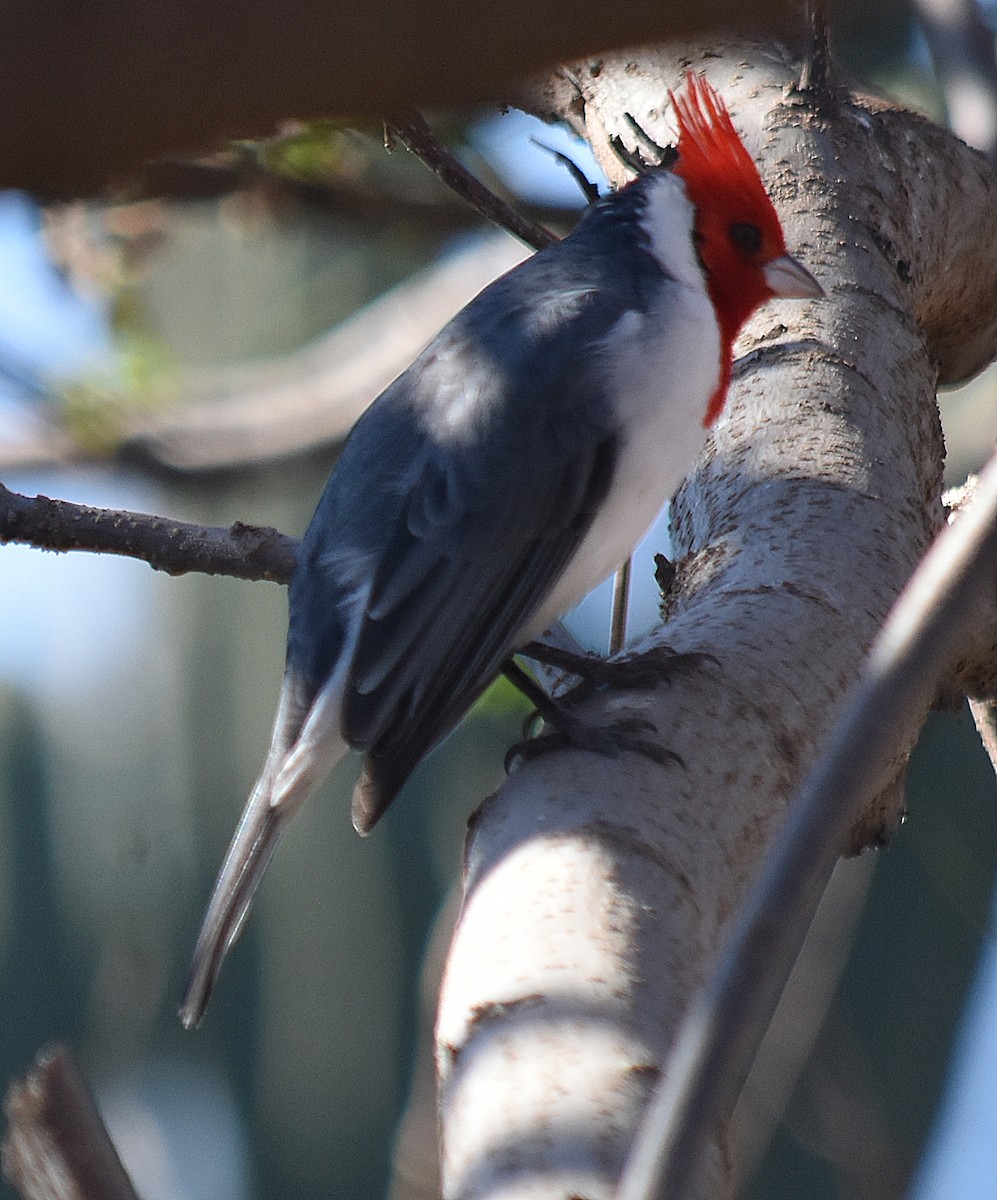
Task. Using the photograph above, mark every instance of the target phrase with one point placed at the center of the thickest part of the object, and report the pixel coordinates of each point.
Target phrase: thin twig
(414, 132)
(816, 72)
(56, 1146)
(719, 1037)
(621, 603)
(176, 547)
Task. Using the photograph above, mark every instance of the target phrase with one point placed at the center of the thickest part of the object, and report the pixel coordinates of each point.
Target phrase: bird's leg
(541, 700)
(640, 673)
(565, 729)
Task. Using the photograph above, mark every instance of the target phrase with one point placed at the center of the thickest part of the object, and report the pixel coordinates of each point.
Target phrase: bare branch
(176, 547)
(726, 1021)
(56, 1146)
(414, 132)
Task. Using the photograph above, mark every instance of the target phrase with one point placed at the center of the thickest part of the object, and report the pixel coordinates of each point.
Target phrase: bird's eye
(746, 237)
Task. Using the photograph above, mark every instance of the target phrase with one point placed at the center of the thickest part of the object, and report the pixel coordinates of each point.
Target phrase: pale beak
(787, 278)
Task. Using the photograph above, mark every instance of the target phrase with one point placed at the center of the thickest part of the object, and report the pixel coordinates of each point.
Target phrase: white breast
(663, 368)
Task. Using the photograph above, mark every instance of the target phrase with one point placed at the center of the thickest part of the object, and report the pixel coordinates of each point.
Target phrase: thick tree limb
(176, 547)
(90, 94)
(56, 1146)
(598, 892)
(916, 649)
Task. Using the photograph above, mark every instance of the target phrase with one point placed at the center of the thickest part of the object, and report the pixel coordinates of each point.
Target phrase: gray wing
(484, 533)
(459, 500)
(447, 605)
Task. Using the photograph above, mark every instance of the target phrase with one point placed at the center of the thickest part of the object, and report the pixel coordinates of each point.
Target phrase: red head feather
(737, 229)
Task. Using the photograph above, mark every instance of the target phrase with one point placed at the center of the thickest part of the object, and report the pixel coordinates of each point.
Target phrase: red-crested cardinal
(510, 469)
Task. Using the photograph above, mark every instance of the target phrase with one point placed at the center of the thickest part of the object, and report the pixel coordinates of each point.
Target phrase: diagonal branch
(233, 417)
(598, 894)
(414, 132)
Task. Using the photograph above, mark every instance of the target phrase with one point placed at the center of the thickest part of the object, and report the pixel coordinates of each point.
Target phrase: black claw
(664, 574)
(658, 754)
(566, 732)
(531, 748)
(639, 673)
(680, 664)
(563, 729)
(622, 728)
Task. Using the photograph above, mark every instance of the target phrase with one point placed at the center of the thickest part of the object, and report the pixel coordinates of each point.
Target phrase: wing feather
(509, 432)
(418, 668)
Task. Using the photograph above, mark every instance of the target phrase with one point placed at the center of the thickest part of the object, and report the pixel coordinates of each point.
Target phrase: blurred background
(135, 711)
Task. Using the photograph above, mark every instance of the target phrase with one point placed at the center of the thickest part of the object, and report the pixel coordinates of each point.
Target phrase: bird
(506, 472)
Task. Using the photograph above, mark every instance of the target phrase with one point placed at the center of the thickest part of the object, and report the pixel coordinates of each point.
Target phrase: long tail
(249, 853)
(301, 755)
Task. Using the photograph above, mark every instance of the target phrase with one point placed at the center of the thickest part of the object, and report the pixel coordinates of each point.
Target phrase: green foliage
(313, 152)
(98, 409)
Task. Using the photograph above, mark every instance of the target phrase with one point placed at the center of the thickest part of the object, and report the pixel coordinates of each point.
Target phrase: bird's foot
(641, 672)
(564, 731)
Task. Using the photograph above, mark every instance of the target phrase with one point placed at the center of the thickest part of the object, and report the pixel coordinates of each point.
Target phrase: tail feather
(305, 746)
(249, 853)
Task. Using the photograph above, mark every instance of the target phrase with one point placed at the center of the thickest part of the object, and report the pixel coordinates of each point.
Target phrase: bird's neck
(716, 402)
(733, 306)
(730, 326)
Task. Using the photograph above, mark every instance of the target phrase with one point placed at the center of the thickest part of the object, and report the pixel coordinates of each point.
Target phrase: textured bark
(597, 890)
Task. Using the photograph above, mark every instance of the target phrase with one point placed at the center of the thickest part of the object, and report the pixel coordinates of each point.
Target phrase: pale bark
(597, 890)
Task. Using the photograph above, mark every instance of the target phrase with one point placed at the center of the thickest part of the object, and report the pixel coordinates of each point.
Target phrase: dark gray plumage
(509, 470)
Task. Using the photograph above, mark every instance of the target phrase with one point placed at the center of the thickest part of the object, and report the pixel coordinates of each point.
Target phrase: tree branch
(265, 411)
(176, 547)
(93, 93)
(414, 132)
(915, 651)
(597, 893)
(56, 1146)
